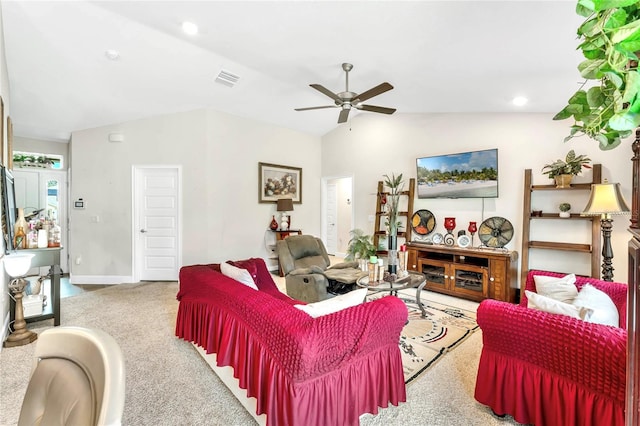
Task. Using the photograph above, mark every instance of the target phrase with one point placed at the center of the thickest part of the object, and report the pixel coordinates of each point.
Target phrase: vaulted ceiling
(440, 56)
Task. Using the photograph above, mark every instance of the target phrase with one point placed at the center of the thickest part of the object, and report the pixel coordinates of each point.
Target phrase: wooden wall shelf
(593, 248)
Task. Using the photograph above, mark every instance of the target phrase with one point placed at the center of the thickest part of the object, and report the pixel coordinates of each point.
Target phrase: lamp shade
(285, 205)
(606, 198)
(16, 265)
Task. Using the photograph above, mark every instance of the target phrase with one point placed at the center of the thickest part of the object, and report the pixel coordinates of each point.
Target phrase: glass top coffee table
(413, 280)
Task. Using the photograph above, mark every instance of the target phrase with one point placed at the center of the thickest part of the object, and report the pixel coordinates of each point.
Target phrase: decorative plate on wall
(423, 222)
(495, 232)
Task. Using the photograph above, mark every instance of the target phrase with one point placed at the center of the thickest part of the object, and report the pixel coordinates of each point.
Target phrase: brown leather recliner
(308, 274)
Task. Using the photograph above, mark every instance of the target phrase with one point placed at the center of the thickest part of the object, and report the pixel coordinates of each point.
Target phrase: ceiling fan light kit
(348, 100)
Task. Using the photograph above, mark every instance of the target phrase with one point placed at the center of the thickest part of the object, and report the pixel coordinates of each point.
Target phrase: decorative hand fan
(495, 232)
(423, 222)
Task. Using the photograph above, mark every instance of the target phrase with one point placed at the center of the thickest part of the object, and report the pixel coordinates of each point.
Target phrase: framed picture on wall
(9, 161)
(277, 182)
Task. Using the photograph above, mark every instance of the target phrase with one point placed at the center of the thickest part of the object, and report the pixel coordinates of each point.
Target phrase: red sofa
(549, 369)
(302, 371)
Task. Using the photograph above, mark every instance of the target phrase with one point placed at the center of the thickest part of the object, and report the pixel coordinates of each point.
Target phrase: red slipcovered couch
(549, 369)
(302, 371)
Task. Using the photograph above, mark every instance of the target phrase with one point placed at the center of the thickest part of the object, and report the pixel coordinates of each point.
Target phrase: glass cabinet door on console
(470, 281)
(436, 274)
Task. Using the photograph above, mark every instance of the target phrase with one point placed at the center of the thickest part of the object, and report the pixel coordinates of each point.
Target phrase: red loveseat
(302, 371)
(549, 369)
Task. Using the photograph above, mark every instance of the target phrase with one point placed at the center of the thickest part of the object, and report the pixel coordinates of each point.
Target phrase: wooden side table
(281, 235)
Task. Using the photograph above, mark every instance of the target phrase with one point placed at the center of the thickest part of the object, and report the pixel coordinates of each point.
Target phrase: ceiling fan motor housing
(347, 100)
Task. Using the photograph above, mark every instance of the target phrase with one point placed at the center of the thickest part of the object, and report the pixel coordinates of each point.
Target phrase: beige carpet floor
(168, 383)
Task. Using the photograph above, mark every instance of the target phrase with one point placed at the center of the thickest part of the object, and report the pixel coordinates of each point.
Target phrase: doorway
(157, 222)
(337, 217)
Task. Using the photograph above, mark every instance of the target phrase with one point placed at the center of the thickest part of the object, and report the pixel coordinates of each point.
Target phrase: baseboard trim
(100, 279)
(226, 376)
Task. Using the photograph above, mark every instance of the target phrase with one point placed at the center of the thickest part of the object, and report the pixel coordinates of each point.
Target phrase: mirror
(8, 209)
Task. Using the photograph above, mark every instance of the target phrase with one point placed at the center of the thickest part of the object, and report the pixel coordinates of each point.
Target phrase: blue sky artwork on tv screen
(465, 175)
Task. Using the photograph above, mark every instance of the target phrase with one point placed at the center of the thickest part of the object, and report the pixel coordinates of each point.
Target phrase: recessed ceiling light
(112, 54)
(520, 100)
(189, 28)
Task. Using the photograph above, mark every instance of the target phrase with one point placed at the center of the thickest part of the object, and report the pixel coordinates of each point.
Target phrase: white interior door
(332, 219)
(337, 213)
(157, 248)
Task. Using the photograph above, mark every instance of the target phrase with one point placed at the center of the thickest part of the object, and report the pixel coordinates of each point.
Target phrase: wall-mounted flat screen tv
(471, 174)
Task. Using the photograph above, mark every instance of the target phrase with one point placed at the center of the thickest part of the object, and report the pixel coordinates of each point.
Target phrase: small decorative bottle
(54, 235)
(274, 223)
(20, 239)
(43, 239)
(21, 222)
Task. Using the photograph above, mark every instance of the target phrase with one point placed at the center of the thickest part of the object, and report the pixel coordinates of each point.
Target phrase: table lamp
(606, 200)
(285, 205)
(16, 266)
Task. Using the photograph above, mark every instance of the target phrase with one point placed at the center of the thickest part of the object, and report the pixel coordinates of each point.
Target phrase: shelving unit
(593, 248)
(46, 257)
(379, 229)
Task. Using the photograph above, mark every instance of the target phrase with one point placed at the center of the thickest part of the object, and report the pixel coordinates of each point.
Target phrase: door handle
(143, 231)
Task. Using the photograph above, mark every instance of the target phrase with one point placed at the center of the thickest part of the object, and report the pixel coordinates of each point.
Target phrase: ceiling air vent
(227, 78)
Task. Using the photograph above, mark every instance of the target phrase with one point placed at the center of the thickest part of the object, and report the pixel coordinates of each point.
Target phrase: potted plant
(564, 170)
(610, 40)
(395, 184)
(360, 246)
(564, 210)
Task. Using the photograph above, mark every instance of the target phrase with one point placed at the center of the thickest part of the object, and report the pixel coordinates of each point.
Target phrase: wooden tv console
(469, 273)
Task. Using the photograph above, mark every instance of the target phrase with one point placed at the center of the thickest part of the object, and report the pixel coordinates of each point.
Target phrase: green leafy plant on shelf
(564, 207)
(360, 246)
(610, 41)
(571, 165)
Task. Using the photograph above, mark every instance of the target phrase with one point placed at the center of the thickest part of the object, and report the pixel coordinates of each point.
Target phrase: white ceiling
(441, 56)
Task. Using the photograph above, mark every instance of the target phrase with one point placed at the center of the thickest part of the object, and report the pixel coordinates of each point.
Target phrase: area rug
(425, 340)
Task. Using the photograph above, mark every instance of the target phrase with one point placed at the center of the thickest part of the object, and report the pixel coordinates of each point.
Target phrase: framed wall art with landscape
(277, 182)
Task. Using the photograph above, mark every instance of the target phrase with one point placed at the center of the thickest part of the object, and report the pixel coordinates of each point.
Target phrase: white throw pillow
(561, 289)
(335, 304)
(241, 275)
(547, 304)
(604, 310)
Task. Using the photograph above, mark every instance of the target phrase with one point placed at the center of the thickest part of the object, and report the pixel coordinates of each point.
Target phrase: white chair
(78, 378)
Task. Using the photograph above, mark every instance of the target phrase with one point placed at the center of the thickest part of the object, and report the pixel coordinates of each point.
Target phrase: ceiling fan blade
(380, 88)
(344, 114)
(327, 92)
(374, 108)
(318, 107)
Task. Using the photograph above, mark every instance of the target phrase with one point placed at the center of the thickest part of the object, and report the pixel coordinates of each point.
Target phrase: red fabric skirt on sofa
(542, 390)
(335, 398)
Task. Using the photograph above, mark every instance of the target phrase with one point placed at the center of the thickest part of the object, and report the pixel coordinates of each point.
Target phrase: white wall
(372, 145)
(219, 155)
(4, 92)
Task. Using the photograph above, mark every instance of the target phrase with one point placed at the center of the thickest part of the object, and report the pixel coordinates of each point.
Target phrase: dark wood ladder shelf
(527, 216)
(379, 228)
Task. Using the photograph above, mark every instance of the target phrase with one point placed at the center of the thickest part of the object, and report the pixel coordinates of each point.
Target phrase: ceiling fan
(347, 100)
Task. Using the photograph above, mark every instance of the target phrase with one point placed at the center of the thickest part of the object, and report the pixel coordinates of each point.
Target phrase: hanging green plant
(610, 39)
